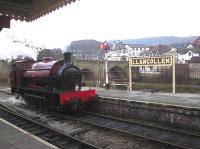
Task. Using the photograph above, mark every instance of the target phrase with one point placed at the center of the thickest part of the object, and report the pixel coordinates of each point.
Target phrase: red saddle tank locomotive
(50, 83)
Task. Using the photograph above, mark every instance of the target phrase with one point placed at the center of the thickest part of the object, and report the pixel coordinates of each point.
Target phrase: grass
(183, 88)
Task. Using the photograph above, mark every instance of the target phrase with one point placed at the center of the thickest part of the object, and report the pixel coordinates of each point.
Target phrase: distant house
(196, 43)
(150, 53)
(118, 52)
(190, 46)
(183, 55)
(159, 50)
(136, 49)
(122, 52)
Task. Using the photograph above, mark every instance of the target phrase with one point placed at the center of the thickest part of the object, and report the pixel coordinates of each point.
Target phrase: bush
(4, 73)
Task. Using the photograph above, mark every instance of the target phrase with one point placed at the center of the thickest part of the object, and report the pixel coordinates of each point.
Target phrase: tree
(56, 54)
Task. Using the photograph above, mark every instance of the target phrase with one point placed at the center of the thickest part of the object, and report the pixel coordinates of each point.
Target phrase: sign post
(130, 76)
(174, 72)
(152, 61)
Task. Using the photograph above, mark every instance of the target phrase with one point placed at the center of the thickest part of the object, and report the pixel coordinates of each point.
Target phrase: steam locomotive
(54, 84)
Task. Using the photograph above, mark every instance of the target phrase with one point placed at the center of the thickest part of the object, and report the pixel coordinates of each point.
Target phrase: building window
(190, 54)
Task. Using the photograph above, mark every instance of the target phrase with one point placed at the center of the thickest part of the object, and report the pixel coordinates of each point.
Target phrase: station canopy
(29, 10)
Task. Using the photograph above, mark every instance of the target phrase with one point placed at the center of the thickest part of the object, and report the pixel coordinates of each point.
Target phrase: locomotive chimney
(67, 57)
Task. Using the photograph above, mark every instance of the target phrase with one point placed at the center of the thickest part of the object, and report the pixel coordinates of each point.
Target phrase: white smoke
(10, 49)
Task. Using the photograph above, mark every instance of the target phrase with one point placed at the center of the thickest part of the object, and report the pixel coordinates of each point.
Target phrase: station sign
(151, 61)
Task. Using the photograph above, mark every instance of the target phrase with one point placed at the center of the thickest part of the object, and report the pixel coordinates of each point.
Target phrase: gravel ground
(97, 136)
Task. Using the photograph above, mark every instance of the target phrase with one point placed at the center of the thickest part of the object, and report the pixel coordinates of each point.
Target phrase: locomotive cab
(17, 70)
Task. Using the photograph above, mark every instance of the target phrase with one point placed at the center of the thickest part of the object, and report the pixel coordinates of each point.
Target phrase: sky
(105, 20)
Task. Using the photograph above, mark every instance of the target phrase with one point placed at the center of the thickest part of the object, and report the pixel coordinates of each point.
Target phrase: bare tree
(56, 54)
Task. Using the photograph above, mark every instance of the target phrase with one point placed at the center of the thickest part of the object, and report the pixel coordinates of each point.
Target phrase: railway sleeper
(56, 139)
(40, 132)
(27, 126)
(32, 130)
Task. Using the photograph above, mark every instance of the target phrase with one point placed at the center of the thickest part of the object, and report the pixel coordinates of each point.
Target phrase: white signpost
(152, 61)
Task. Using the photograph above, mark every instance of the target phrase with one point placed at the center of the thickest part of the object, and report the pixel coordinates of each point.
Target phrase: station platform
(178, 99)
(12, 137)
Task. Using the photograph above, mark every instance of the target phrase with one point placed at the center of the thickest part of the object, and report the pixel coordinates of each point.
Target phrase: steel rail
(103, 126)
(144, 124)
(30, 124)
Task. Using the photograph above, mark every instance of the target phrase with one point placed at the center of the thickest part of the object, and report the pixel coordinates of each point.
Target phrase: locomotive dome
(43, 65)
(47, 59)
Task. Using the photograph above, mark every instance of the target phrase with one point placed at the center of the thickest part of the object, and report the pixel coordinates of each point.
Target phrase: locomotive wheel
(16, 96)
(80, 105)
(58, 109)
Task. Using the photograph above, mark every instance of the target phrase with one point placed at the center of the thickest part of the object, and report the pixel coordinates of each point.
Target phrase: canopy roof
(30, 10)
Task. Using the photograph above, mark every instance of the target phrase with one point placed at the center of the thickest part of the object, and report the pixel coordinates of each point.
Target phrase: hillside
(91, 46)
(84, 46)
(158, 40)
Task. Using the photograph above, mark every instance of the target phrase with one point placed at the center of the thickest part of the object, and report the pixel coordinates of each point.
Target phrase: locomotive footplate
(59, 100)
(77, 97)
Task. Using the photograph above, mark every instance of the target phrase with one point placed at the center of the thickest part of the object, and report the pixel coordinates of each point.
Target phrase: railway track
(44, 132)
(86, 132)
(169, 138)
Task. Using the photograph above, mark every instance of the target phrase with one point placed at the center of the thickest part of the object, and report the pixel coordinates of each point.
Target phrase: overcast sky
(109, 19)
